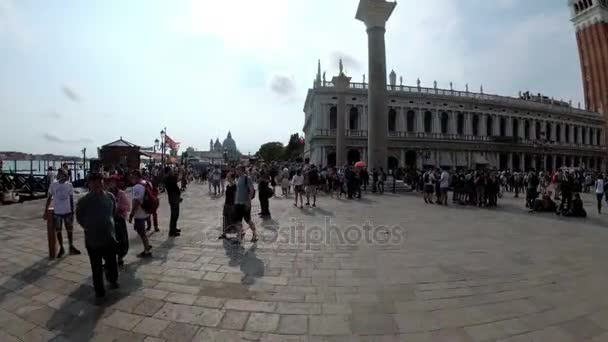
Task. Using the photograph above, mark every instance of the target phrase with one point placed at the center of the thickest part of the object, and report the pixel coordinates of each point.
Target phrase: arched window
(490, 127)
(527, 130)
(411, 121)
(575, 8)
(475, 125)
(460, 124)
(353, 119)
(568, 134)
(503, 127)
(428, 122)
(538, 131)
(558, 132)
(515, 132)
(444, 122)
(392, 120)
(333, 118)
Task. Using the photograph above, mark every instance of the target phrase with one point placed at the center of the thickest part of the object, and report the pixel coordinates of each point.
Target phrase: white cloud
(12, 26)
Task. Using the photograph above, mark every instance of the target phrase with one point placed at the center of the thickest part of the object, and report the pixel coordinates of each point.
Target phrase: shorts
(140, 225)
(429, 189)
(242, 212)
(311, 190)
(66, 219)
(298, 189)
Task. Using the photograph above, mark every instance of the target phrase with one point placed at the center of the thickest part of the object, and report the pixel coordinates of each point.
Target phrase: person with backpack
(144, 203)
(174, 195)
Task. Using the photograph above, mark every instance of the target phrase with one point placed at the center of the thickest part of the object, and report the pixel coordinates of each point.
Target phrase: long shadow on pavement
(251, 266)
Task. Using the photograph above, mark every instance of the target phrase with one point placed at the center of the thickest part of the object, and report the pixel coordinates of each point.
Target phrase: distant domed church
(228, 146)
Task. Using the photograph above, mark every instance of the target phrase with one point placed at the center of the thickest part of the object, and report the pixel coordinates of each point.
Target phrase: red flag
(172, 144)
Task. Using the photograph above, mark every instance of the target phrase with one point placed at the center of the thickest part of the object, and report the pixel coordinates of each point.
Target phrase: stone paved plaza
(448, 274)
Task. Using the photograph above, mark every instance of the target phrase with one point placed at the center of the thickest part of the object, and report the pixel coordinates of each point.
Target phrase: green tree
(271, 151)
(295, 147)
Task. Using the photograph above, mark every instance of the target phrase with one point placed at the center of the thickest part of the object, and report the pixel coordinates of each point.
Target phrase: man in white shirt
(599, 192)
(61, 193)
(139, 216)
(444, 184)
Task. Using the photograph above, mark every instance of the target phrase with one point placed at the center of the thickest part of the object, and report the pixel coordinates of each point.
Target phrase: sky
(77, 74)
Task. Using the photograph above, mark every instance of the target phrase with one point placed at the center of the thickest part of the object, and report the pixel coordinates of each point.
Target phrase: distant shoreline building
(218, 152)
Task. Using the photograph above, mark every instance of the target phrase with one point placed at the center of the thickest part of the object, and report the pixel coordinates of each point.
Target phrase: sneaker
(74, 251)
(254, 239)
(61, 253)
(314, 205)
(174, 234)
(156, 229)
(307, 204)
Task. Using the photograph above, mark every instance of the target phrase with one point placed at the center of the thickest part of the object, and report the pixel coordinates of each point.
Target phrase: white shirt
(444, 181)
(138, 192)
(61, 194)
(298, 180)
(599, 186)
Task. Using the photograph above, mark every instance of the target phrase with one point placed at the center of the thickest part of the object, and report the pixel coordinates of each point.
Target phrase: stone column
(591, 136)
(553, 131)
(496, 123)
(553, 162)
(563, 133)
(402, 159)
(468, 124)
(522, 162)
(572, 134)
(375, 13)
(436, 122)
(420, 121)
(452, 123)
(483, 125)
(509, 127)
(341, 83)
(403, 120)
(510, 162)
(532, 130)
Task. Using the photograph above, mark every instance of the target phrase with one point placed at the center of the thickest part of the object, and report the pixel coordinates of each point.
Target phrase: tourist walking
(228, 210)
(120, 217)
(311, 187)
(95, 212)
(444, 185)
(381, 181)
(599, 192)
(298, 188)
(141, 195)
(429, 179)
(153, 217)
(245, 192)
(61, 193)
(264, 194)
(285, 184)
(174, 196)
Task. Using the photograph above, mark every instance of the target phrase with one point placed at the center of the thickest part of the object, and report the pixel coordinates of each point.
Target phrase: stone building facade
(456, 129)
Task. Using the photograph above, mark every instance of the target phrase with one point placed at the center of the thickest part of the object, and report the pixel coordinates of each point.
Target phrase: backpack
(150, 203)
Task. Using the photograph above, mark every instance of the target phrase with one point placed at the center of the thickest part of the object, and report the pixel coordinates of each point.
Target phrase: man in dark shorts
(139, 216)
(242, 207)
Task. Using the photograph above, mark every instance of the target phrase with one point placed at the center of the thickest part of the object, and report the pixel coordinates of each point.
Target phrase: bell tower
(590, 18)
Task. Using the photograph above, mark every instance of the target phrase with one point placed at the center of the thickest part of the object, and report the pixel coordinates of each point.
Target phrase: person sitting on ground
(545, 204)
(577, 209)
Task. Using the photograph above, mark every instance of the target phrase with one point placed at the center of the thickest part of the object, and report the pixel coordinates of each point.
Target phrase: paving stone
(293, 324)
(249, 305)
(496, 330)
(299, 308)
(373, 324)
(234, 320)
(214, 276)
(262, 322)
(219, 335)
(210, 302)
(181, 298)
(329, 325)
(179, 332)
(38, 335)
(122, 320)
(151, 326)
(148, 307)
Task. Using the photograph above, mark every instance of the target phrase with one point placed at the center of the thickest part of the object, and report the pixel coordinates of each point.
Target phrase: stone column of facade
(402, 120)
(509, 128)
(563, 133)
(553, 162)
(591, 136)
(553, 131)
(483, 125)
(544, 161)
(522, 162)
(375, 14)
(579, 129)
(341, 83)
(452, 123)
(521, 130)
(532, 130)
(402, 159)
(436, 122)
(468, 124)
(496, 123)
(510, 161)
(420, 121)
(572, 134)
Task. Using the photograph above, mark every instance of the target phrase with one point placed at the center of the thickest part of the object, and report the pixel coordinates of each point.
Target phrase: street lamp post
(163, 134)
(154, 148)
